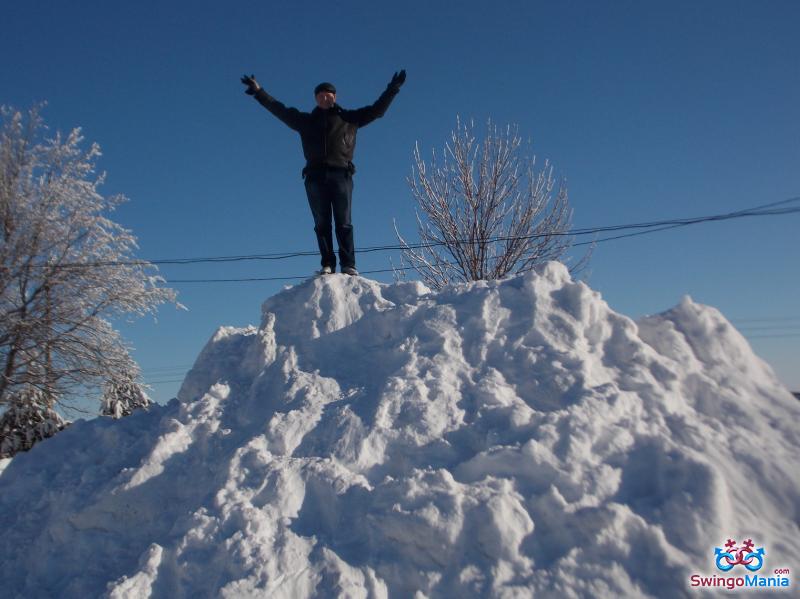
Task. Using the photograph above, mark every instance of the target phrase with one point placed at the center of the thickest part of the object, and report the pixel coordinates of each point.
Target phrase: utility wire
(157, 369)
(773, 319)
(771, 209)
(787, 329)
(757, 211)
(292, 278)
(776, 336)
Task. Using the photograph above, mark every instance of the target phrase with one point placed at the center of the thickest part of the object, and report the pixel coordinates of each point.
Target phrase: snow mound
(504, 438)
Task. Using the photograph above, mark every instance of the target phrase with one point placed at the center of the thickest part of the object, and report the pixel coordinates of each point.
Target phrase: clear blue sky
(651, 110)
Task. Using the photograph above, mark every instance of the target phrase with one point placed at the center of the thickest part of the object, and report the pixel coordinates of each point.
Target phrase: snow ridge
(500, 439)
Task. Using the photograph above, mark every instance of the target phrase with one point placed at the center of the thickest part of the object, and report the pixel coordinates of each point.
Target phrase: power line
(758, 211)
(156, 369)
(773, 319)
(769, 327)
(292, 278)
(776, 336)
(771, 209)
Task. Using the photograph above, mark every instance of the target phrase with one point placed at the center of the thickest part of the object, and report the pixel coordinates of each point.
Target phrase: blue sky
(650, 110)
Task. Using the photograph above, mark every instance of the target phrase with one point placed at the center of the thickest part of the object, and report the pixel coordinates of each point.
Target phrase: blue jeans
(330, 193)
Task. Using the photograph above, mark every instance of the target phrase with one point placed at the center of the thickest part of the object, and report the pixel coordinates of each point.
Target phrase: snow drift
(508, 439)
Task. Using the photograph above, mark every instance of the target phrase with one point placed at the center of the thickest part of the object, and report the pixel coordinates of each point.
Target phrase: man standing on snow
(328, 134)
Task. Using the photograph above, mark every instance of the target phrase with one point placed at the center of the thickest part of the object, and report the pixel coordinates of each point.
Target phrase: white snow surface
(511, 438)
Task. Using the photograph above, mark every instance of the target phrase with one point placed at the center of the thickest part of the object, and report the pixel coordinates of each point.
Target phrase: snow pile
(497, 439)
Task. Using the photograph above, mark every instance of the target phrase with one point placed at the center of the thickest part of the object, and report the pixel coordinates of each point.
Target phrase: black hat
(324, 87)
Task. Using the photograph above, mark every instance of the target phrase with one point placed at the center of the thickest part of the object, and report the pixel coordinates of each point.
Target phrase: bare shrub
(484, 211)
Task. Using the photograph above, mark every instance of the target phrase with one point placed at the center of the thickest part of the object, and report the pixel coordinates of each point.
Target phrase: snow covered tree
(122, 396)
(486, 211)
(29, 418)
(66, 270)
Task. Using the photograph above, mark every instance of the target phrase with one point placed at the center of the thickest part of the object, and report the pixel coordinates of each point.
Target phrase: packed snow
(510, 438)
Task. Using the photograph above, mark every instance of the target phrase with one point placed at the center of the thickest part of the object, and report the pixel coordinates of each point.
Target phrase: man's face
(325, 99)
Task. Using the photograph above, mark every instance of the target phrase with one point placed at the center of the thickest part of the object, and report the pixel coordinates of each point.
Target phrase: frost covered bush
(485, 210)
(29, 418)
(121, 397)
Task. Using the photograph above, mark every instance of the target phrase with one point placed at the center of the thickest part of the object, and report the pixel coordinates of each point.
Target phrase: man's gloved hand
(397, 80)
(251, 83)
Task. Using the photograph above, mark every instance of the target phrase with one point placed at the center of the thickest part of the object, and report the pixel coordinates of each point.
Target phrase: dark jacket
(328, 136)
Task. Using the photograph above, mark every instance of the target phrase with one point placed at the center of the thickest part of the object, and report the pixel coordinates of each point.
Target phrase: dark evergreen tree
(28, 419)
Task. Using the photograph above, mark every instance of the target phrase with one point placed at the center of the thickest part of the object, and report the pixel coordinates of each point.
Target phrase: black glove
(397, 80)
(251, 83)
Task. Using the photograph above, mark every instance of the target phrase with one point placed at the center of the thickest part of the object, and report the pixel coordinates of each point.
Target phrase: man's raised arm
(364, 116)
(290, 116)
